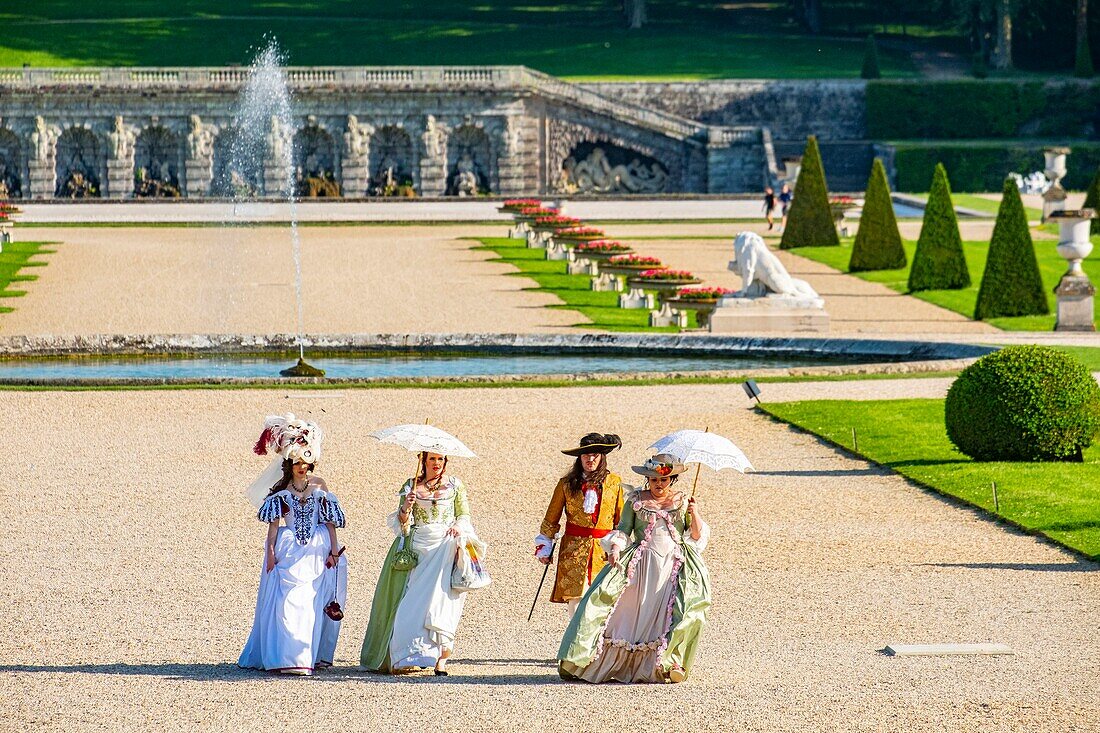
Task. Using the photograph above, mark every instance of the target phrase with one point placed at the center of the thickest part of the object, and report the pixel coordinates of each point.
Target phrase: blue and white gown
(290, 631)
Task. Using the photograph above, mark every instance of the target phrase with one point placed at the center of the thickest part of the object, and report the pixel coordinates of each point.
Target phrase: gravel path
(241, 280)
(133, 563)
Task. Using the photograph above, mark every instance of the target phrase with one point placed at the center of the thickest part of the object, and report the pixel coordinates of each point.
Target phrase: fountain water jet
(262, 161)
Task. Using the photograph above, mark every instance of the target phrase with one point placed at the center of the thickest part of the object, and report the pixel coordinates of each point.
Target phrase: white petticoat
(429, 612)
(290, 630)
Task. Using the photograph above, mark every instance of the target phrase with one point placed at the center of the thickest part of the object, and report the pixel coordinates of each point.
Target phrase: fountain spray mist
(265, 133)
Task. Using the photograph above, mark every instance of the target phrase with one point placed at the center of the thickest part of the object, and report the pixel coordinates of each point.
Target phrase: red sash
(575, 530)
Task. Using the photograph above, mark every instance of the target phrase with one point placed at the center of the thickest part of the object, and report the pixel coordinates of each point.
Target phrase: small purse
(405, 558)
(333, 610)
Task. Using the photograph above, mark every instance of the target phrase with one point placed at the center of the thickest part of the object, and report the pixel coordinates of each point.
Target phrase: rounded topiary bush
(1023, 403)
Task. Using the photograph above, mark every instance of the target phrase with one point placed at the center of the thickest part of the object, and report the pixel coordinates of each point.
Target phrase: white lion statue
(761, 271)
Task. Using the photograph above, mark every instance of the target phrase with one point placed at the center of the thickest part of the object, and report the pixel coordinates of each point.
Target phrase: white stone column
(510, 161)
(42, 159)
(355, 158)
(198, 167)
(120, 160)
(433, 159)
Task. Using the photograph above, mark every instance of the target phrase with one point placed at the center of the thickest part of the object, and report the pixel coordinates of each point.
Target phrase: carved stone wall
(388, 131)
(832, 109)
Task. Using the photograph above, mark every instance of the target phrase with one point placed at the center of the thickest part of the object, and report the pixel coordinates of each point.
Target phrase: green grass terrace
(1056, 500)
(582, 39)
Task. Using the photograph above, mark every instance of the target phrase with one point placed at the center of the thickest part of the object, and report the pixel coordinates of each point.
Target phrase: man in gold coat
(591, 497)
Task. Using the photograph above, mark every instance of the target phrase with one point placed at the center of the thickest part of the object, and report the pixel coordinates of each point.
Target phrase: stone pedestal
(556, 252)
(120, 178)
(43, 179)
(581, 267)
(537, 240)
(769, 314)
(667, 316)
(607, 283)
(5, 234)
(1053, 200)
(636, 299)
(198, 177)
(1075, 304)
(433, 177)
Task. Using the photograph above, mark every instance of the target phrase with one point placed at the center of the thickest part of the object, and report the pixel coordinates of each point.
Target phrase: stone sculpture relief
(595, 174)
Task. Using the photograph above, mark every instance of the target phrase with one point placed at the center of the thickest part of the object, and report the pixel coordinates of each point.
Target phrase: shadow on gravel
(168, 670)
(1046, 567)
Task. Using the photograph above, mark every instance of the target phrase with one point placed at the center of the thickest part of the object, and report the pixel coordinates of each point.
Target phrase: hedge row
(981, 166)
(959, 110)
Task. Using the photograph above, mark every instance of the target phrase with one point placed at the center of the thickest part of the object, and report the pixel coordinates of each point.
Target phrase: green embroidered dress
(646, 615)
(415, 613)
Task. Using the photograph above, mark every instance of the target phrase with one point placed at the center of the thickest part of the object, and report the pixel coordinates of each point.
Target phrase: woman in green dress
(415, 613)
(642, 618)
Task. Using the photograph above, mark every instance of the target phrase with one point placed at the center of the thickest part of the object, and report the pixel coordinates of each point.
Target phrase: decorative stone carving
(468, 148)
(80, 163)
(198, 167)
(122, 141)
(391, 161)
(761, 271)
(43, 140)
(595, 174)
(770, 300)
(431, 139)
(157, 163)
(356, 155)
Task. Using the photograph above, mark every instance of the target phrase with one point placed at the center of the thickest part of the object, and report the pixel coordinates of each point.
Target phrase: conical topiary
(870, 68)
(1011, 284)
(1092, 200)
(938, 263)
(878, 241)
(810, 220)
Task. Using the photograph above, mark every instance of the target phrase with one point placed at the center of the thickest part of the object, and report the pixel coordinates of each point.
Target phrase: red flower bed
(704, 293)
(556, 222)
(579, 233)
(601, 246)
(521, 203)
(664, 274)
(634, 261)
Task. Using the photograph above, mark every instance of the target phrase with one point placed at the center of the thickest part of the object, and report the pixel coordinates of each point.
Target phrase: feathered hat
(289, 438)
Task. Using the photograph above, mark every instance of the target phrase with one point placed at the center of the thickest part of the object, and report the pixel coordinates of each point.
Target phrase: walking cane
(546, 568)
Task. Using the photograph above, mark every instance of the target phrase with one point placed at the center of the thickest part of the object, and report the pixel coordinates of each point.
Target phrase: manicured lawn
(1051, 265)
(1059, 500)
(15, 258)
(601, 308)
(576, 39)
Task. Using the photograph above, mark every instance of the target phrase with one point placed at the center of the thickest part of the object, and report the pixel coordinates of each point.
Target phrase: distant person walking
(785, 198)
(769, 206)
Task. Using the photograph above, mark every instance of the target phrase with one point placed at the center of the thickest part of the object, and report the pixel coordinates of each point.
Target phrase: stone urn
(1075, 292)
(792, 166)
(1054, 168)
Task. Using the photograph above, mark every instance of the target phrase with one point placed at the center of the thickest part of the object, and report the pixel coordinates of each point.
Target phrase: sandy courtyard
(133, 562)
(377, 279)
(374, 279)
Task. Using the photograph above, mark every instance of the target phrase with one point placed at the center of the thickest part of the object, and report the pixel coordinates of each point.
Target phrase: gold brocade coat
(580, 558)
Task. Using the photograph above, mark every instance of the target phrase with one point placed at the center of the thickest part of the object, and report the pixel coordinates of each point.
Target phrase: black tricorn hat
(595, 443)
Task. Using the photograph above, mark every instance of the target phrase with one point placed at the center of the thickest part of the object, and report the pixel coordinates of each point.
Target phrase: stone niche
(602, 167)
(81, 164)
(237, 171)
(11, 164)
(469, 153)
(315, 163)
(392, 163)
(158, 163)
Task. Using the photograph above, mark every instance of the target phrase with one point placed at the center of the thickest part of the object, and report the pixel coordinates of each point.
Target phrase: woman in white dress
(415, 613)
(303, 570)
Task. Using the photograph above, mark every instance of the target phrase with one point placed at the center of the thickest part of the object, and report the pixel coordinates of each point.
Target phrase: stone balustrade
(427, 131)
